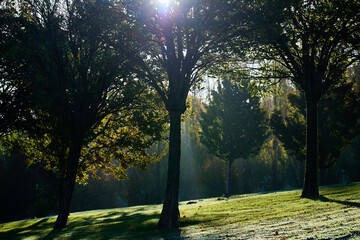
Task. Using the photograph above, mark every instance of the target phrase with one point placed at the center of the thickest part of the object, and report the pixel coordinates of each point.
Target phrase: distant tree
(313, 43)
(233, 125)
(339, 114)
(177, 41)
(88, 108)
(30, 191)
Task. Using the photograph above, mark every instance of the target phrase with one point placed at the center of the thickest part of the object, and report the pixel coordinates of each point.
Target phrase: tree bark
(170, 211)
(310, 189)
(71, 171)
(227, 193)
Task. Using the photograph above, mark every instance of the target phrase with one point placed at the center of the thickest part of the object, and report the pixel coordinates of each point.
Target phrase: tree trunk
(61, 180)
(170, 211)
(61, 189)
(227, 193)
(310, 188)
(71, 171)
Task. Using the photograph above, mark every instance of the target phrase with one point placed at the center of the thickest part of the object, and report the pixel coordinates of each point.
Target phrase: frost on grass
(333, 224)
(277, 215)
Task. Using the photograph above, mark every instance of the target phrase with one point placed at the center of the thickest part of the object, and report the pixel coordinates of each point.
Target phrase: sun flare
(164, 2)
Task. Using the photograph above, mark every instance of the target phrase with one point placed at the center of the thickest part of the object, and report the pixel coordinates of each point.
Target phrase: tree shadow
(346, 203)
(14, 233)
(114, 225)
(118, 225)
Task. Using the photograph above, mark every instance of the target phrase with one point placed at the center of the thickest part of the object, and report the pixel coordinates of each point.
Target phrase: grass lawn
(278, 215)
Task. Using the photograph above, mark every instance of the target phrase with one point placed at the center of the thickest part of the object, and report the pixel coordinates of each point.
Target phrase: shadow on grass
(346, 203)
(22, 232)
(114, 225)
(120, 225)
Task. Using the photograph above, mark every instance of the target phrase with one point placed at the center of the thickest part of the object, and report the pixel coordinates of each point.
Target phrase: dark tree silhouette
(312, 43)
(178, 43)
(88, 107)
(339, 111)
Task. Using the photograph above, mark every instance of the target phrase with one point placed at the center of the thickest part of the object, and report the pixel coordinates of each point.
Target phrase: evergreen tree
(233, 125)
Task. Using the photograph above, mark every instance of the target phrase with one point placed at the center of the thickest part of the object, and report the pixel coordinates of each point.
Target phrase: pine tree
(233, 125)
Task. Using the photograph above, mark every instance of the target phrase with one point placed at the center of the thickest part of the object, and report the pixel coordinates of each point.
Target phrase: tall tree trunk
(61, 183)
(310, 188)
(65, 199)
(61, 180)
(227, 193)
(170, 211)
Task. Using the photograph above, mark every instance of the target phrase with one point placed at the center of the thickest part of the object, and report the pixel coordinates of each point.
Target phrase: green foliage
(298, 38)
(233, 125)
(338, 123)
(79, 87)
(125, 137)
(310, 42)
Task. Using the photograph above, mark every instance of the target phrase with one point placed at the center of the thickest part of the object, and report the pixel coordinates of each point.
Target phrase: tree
(88, 107)
(14, 108)
(233, 125)
(338, 123)
(313, 43)
(30, 191)
(177, 42)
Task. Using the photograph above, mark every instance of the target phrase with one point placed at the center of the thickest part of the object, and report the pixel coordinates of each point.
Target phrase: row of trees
(75, 75)
(85, 108)
(31, 191)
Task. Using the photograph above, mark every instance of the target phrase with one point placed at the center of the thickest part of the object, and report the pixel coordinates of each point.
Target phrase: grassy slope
(278, 215)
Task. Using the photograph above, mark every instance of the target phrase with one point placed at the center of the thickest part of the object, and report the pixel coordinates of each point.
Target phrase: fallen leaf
(182, 212)
(309, 231)
(183, 232)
